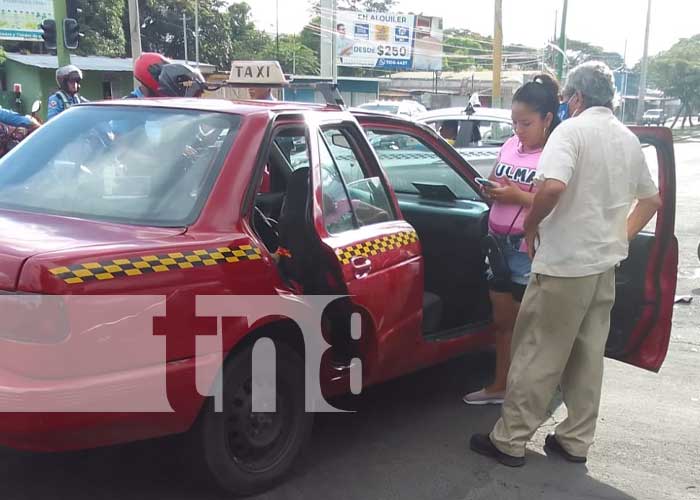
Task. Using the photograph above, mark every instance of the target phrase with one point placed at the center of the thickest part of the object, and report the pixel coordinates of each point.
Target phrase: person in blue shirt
(68, 79)
(13, 119)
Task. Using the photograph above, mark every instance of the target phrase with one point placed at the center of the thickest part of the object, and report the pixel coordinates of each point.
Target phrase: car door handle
(362, 266)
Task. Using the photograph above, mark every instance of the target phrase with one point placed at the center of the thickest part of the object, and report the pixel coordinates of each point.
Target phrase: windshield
(141, 166)
(385, 108)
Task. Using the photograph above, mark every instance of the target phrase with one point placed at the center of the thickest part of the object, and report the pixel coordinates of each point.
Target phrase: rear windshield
(143, 166)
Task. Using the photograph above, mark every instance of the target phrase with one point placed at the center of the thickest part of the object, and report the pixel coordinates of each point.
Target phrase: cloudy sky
(608, 23)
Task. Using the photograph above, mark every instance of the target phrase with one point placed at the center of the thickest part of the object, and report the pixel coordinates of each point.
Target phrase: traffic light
(72, 9)
(71, 33)
(48, 28)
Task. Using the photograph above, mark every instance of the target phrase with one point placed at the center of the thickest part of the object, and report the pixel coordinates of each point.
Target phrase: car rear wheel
(245, 452)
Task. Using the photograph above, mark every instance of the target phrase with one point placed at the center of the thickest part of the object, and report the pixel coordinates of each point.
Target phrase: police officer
(147, 70)
(68, 79)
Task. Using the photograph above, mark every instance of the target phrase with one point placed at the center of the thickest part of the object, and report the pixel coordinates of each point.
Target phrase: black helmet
(180, 80)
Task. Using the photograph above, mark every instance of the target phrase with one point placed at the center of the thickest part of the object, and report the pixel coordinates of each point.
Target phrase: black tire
(245, 453)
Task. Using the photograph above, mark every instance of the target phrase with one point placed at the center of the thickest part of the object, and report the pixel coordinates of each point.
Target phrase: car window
(474, 133)
(337, 211)
(295, 149)
(368, 197)
(140, 165)
(410, 160)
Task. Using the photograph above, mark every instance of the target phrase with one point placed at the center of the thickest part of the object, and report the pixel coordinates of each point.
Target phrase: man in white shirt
(592, 172)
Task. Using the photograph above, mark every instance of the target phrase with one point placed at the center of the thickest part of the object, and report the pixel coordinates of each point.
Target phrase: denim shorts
(519, 265)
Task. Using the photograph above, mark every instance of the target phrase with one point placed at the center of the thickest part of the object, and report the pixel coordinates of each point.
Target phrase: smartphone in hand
(487, 183)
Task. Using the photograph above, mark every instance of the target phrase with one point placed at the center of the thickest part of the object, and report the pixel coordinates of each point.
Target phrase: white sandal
(481, 397)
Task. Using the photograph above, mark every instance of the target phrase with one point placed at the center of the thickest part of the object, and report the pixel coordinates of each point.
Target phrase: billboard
(427, 44)
(385, 40)
(20, 19)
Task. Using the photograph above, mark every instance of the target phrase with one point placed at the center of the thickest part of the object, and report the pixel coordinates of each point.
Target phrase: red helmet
(147, 69)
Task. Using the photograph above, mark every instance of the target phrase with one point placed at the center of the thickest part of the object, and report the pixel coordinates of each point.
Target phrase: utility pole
(59, 14)
(497, 54)
(645, 68)
(328, 57)
(624, 82)
(277, 29)
(135, 29)
(196, 31)
(562, 42)
(554, 38)
(184, 32)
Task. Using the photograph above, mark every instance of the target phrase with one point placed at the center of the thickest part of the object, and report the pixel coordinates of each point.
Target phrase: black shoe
(552, 444)
(481, 443)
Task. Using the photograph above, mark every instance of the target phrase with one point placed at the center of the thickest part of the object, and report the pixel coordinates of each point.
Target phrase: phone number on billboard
(392, 51)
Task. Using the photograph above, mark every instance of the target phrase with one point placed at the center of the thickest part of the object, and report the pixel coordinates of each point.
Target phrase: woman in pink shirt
(534, 112)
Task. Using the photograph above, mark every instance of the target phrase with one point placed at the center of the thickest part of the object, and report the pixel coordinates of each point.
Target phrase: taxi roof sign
(257, 74)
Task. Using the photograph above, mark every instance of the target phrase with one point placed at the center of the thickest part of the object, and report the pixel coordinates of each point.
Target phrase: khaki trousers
(559, 339)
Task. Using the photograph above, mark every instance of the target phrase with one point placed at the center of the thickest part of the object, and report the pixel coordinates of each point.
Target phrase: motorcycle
(11, 136)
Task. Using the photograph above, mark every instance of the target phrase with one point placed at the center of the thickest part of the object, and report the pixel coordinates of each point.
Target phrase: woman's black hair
(542, 95)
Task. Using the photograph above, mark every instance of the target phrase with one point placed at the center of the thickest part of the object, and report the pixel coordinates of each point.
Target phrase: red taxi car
(184, 198)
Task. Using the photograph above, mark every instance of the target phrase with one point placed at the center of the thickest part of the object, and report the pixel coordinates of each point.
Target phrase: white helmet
(64, 72)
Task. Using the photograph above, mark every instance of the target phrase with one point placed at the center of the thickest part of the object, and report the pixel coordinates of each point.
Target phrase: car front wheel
(247, 452)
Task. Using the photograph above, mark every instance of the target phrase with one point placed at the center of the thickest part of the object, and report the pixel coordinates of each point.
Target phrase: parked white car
(405, 108)
(480, 135)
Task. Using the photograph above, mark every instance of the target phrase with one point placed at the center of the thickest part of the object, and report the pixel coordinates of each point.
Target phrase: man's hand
(544, 202)
(642, 213)
(532, 239)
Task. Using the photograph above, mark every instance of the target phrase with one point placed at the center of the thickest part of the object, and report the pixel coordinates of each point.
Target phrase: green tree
(294, 57)
(227, 32)
(248, 43)
(677, 72)
(310, 36)
(101, 22)
(579, 52)
(457, 50)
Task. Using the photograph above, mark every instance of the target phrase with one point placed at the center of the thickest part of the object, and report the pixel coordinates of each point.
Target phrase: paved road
(409, 440)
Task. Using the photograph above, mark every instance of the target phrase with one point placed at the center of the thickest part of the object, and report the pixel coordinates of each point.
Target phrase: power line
(317, 30)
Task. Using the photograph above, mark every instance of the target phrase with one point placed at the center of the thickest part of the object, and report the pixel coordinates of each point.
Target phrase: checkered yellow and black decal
(377, 246)
(138, 266)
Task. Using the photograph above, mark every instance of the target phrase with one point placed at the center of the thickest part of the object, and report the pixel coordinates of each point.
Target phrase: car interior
(449, 228)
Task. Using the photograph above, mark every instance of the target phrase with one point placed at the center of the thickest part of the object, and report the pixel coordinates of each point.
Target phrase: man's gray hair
(594, 80)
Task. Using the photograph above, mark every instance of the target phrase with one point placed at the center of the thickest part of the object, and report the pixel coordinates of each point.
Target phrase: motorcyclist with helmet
(68, 79)
(147, 69)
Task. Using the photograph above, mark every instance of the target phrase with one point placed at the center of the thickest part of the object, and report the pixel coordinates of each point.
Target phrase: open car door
(373, 251)
(640, 329)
